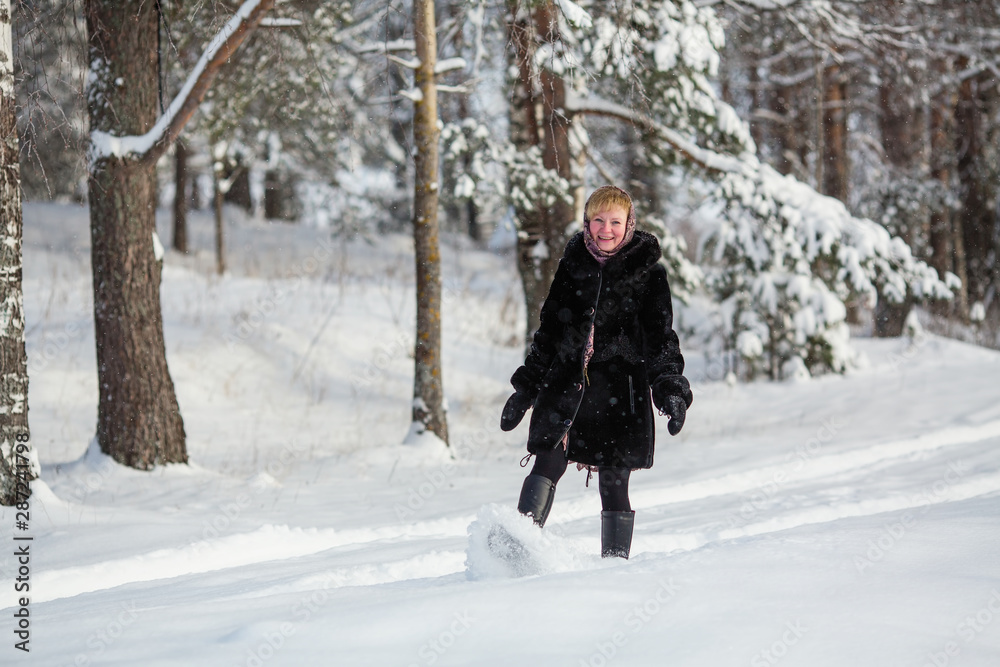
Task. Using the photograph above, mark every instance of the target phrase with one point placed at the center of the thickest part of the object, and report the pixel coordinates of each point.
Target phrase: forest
(810, 167)
(267, 268)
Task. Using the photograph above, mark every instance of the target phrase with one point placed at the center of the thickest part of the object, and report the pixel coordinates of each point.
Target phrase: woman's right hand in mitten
(513, 411)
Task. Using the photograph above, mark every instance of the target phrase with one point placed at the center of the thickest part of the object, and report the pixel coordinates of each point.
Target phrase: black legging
(611, 482)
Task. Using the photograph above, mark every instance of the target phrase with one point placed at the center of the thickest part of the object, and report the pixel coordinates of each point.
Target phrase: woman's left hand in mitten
(677, 410)
(672, 396)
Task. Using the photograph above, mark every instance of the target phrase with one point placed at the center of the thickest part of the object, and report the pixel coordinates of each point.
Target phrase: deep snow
(841, 521)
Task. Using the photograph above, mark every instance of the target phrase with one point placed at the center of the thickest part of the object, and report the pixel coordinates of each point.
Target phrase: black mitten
(672, 396)
(677, 411)
(513, 411)
(671, 385)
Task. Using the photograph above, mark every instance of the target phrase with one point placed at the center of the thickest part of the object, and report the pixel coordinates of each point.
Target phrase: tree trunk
(428, 387)
(273, 194)
(16, 461)
(138, 420)
(238, 192)
(471, 210)
(975, 216)
(280, 201)
(790, 135)
(180, 197)
(641, 179)
(217, 200)
(757, 97)
(834, 156)
(944, 255)
(538, 118)
(524, 134)
(896, 123)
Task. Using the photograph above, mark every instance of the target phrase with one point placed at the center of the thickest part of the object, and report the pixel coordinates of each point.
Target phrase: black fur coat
(607, 410)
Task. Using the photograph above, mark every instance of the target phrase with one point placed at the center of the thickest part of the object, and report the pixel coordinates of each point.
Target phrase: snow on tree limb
(462, 90)
(413, 63)
(387, 47)
(151, 146)
(449, 64)
(280, 23)
(760, 5)
(692, 151)
(575, 14)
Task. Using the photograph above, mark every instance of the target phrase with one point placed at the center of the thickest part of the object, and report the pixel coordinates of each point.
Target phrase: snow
(847, 520)
(575, 14)
(449, 64)
(158, 251)
(273, 22)
(978, 312)
(413, 94)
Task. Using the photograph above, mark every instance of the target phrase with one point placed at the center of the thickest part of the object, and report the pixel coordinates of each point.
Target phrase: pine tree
(428, 385)
(138, 420)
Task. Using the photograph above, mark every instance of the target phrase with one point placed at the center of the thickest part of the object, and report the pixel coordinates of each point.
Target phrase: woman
(604, 344)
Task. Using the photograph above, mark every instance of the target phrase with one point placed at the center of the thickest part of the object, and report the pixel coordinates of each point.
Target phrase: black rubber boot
(536, 498)
(616, 533)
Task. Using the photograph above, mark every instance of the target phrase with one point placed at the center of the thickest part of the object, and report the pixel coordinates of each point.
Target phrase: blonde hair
(605, 197)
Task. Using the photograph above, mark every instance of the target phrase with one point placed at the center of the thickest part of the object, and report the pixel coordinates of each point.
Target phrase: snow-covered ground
(842, 521)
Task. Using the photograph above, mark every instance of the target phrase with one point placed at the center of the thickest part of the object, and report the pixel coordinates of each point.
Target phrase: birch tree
(18, 464)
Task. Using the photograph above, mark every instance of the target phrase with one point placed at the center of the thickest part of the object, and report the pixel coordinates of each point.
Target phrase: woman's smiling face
(607, 227)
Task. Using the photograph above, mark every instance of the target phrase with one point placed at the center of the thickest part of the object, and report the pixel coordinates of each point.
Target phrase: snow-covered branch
(387, 47)
(757, 5)
(414, 63)
(441, 88)
(575, 14)
(152, 145)
(412, 94)
(708, 159)
(280, 23)
(449, 64)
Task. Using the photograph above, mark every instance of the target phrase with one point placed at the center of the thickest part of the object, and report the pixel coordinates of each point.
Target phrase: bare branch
(597, 165)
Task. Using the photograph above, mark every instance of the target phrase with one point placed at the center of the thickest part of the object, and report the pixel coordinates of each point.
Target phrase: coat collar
(642, 252)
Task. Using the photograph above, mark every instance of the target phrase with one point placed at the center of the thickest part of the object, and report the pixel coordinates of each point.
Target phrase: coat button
(578, 386)
(568, 422)
(590, 311)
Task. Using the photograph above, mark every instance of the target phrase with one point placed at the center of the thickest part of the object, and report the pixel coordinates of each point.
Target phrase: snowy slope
(842, 521)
